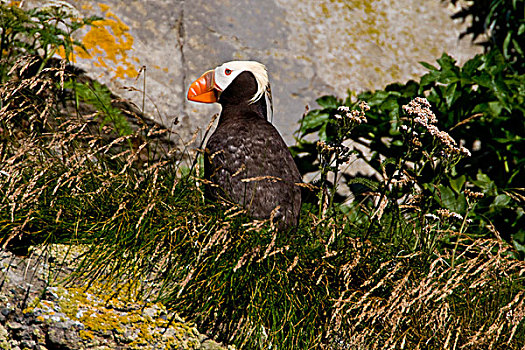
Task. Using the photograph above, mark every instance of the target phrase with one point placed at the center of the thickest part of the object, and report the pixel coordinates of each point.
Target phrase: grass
(387, 271)
(336, 281)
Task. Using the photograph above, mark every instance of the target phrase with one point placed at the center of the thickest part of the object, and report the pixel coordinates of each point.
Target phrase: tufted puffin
(246, 160)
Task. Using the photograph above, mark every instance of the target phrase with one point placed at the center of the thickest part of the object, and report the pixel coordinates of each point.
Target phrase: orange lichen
(108, 42)
(86, 334)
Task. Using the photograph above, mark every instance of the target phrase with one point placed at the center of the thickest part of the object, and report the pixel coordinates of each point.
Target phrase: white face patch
(224, 75)
(227, 72)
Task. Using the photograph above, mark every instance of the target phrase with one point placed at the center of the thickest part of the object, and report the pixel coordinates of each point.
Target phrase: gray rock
(13, 344)
(4, 344)
(50, 322)
(28, 344)
(150, 312)
(3, 314)
(57, 337)
(63, 338)
(14, 326)
(311, 48)
(26, 333)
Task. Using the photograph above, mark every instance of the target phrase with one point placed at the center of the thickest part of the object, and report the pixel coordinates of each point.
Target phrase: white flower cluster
(432, 216)
(355, 116)
(325, 148)
(472, 194)
(419, 108)
(445, 213)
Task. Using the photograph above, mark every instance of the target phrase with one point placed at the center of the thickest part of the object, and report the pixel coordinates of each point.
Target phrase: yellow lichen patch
(86, 334)
(31, 306)
(126, 71)
(104, 7)
(103, 311)
(325, 10)
(164, 69)
(108, 42)
(62, 53)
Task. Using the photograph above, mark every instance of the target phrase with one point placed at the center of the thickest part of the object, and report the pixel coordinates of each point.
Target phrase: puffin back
(248, 162)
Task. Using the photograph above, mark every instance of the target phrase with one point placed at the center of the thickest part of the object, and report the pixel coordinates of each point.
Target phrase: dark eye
(227, 71)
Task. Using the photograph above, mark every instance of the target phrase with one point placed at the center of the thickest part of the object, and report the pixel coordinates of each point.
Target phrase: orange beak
(203, 90)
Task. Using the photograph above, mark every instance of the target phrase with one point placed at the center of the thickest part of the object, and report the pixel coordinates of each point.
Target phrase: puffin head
(232, 82)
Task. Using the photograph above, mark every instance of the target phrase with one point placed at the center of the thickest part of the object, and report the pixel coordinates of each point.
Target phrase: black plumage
(247, 161)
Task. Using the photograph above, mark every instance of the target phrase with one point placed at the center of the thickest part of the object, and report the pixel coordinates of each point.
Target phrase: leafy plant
(333, 154)
(502, 21)
(479, 104)
(40, 32)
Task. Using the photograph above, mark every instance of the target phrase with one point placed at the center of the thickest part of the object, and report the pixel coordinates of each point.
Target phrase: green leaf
(506, 45)
(519, 247)
(397, 143)
(410, 90)
(302, 146)
(449, 200)
(450, 94)
(501, 200)
(521, 29)
(313, 121)
(427, 65)
(328, 101)
(388, 161)
(446, 197)
(390, 103)
(481, 108)
(484, 79)
(509, 138)
(495, 108)
(484, 182)
(378, 98)
(471, 66)
(373, 185)
(457, 183)
(446, 62)
(428, 79)
(517, 46)
(322, 133)
(448, 77)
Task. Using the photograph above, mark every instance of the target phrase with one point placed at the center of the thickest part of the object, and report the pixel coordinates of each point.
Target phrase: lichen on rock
(36, 314)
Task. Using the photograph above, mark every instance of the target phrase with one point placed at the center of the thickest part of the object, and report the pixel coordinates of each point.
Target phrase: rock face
(311, 48)
(35, 314)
